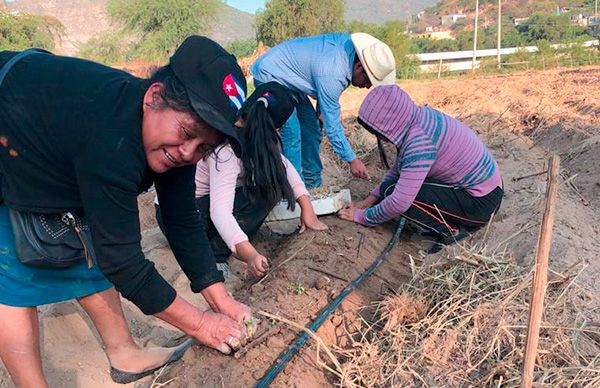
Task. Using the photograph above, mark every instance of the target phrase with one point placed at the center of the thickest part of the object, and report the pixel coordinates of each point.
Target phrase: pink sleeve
(359, 218)
(223, 179)
(391, 175)
(294, 179)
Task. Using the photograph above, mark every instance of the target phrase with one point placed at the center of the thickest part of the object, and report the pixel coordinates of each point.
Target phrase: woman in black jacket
(78, 136)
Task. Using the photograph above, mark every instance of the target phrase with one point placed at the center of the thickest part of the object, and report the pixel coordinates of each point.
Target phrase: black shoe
(122, 377)
(444, 240)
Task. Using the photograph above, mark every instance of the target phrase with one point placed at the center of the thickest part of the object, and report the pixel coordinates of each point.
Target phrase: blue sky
(247, 5)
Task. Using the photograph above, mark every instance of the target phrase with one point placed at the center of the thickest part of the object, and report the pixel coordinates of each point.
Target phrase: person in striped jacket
(444, 179)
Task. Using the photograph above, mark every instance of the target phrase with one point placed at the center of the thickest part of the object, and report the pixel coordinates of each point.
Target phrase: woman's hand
(220, 301)
(309, 220)
(258, 265)
(347, 213)
(235, 310)
(219, 332)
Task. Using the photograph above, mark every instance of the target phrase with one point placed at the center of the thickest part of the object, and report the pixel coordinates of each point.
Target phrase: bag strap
(8, 65)
(69, 219)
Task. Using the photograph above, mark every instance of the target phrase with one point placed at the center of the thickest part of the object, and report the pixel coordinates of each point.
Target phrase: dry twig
(325, 272)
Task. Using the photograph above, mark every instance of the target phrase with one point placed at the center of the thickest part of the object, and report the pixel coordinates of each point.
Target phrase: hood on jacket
(388, 111)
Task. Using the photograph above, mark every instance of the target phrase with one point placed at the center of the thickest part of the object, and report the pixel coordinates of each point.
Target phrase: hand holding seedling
(219, 332)
(251, 326)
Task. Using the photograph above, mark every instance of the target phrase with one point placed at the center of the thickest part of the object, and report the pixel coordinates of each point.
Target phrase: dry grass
(464, 323)
(337, 173)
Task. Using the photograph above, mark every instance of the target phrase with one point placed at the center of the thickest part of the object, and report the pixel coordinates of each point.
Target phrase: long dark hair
(265, 175)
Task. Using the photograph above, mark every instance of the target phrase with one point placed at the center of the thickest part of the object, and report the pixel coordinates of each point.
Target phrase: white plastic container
(322, 206)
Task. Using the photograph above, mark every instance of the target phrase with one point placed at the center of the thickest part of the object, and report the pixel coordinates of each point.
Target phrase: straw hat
(376, 57)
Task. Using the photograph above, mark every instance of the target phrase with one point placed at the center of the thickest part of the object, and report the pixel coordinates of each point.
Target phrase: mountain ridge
(84, 19)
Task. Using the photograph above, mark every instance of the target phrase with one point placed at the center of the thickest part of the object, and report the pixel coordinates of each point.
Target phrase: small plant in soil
(251, 325)
(299, 289)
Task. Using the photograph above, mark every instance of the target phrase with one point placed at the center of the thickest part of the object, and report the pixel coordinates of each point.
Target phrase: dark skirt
(24, 286)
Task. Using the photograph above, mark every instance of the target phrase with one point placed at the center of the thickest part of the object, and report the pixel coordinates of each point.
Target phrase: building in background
(450, 20)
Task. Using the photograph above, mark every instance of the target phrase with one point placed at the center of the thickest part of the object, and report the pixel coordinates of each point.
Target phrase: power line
(475, 35)
(500, 31)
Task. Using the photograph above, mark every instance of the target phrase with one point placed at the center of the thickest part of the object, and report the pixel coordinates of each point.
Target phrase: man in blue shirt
(322, 67)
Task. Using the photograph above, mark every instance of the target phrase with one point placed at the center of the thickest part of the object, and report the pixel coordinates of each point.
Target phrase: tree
(161, 25)
(108, 48)
(21, 31)
(543, 26)
(242, 47)
(428, 45)
(485, 39)
(286, 19)
(393, 33)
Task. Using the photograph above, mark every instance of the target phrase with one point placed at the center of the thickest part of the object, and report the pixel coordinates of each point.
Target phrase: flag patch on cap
(234, 91)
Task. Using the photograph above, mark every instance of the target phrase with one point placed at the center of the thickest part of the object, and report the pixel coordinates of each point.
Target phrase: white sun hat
(376, 57)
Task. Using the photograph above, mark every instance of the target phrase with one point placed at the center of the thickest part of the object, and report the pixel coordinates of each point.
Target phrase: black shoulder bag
(55, 240)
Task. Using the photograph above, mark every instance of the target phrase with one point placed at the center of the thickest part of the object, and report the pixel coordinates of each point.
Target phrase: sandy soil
(523, 118)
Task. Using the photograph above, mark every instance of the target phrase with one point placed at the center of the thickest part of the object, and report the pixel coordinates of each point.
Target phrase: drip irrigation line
(286, 356)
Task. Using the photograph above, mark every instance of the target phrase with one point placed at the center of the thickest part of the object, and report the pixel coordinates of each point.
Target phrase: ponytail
(264, 171)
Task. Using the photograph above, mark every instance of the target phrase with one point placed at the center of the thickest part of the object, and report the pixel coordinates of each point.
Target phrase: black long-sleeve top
(71, 139)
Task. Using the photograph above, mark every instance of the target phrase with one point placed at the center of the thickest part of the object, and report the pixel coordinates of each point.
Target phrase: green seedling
(251, 326)
(299, 289)
(251, 323)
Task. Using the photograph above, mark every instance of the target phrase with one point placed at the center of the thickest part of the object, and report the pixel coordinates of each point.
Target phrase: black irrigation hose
(285, 357)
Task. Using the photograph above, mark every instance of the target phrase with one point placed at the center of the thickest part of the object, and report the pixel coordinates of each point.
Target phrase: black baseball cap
(214, 82)
(279, 101)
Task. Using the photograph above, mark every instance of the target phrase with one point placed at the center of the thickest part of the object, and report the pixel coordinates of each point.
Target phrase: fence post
(543, 61)
(540, 276)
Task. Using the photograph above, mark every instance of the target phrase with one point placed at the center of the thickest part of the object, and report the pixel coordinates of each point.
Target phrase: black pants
(250, 214)
(442, 209)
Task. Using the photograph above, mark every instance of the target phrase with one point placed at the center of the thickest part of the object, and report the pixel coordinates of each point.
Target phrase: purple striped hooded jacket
(430, 144)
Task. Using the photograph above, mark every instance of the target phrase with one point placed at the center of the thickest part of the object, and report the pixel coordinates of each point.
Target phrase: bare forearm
(245, 251)
(216, 296)
(182, 315)
(370, 200)
(305, 204)
(221, 302)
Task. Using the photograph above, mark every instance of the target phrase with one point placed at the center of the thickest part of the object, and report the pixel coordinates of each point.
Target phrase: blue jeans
(301, 139)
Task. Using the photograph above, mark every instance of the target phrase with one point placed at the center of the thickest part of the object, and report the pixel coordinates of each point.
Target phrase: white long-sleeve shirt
(218, 176)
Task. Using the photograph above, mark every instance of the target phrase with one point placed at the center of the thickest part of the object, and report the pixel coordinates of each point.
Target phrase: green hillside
(510, 8)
